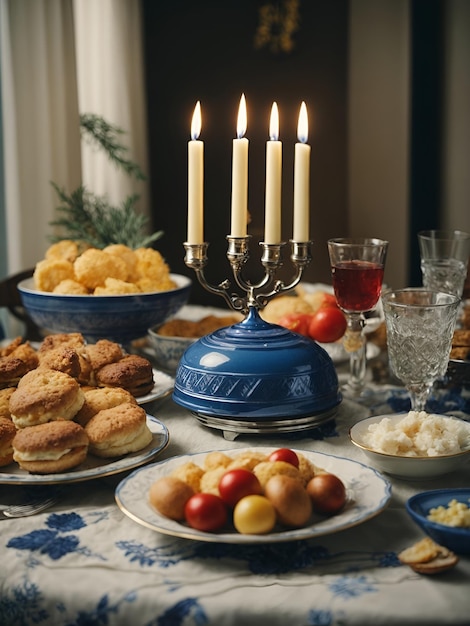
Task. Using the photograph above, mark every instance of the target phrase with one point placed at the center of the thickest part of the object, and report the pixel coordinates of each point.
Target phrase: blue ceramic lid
(256, 371)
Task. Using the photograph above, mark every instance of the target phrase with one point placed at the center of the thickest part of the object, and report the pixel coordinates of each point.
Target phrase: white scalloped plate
(368, 494)
(93, 467)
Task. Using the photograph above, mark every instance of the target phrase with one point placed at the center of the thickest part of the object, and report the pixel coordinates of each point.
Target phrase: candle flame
(196, 121)
(274, 123)
(302, 127)
(241, 121)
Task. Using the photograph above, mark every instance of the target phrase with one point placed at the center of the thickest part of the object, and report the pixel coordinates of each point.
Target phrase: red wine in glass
(357, 284)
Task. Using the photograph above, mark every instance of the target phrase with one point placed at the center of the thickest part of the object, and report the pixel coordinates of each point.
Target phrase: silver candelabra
(258, 294)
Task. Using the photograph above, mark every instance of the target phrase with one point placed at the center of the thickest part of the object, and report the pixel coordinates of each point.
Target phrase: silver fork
(30, 508)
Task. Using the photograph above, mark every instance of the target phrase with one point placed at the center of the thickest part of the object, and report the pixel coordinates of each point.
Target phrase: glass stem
(418, 396)
(355, 344)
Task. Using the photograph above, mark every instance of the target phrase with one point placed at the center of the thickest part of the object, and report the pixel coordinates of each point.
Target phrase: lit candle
(302, 179)
(195, 180)
(240, 175)
(272, 228)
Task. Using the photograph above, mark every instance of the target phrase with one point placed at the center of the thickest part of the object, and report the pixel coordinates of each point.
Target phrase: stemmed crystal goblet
(357, 269)
(420, 325)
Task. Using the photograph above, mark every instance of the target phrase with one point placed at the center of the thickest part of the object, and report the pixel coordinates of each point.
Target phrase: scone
(50, 448)
(99, 398)
(102, 353)
(11, 370)
(53, 344)
(44, 395)
(118, 431)
(62, 359)
(5, 395)
(133, 372)
(7, 434)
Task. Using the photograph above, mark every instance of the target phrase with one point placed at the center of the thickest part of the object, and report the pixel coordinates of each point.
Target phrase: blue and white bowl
(454, 538)
(120, 318)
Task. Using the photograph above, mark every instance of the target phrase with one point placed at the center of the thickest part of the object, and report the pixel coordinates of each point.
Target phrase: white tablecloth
(84, 562)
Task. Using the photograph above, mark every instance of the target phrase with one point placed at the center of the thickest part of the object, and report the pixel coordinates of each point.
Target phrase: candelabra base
(257, 377)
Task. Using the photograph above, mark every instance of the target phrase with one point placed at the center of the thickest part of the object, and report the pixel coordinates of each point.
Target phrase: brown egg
(169, 495)
(290, 499)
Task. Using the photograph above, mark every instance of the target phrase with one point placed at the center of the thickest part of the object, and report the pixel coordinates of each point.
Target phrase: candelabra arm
(238, 254)
(196, 259)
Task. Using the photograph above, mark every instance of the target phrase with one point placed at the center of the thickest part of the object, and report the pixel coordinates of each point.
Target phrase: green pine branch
(90, 219)
(98, 131)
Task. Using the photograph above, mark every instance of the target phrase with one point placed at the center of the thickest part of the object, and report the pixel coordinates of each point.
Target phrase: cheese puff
(248, 460)
(50, 272)
(216, 459)
(65, 249)
(267, 469)
(147, 284)
(70, 287)
(284, 305)
(189, 473)
(210, 480)
(94, 266)
(307, 469)
(150, 264)
(114, 286)
(127, 255)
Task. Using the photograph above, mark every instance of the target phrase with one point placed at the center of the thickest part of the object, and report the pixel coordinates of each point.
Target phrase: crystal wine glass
(420, 326)
(357, 269)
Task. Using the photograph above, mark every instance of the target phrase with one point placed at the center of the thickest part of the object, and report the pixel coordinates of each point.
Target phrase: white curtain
(110, 83)
(45, 46)
(40, 121)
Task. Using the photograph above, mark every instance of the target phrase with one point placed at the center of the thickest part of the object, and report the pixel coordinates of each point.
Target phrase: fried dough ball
(114, 287)
(210, 480)
(247, 460)
(65, 249)
(267, 469)
(216, 459)
(147, 284)
(94, 266)
(150, 263)
(70, 287)
(306, 468)
(50, 272)
(189, 473)
(127, 255)
(284, 305)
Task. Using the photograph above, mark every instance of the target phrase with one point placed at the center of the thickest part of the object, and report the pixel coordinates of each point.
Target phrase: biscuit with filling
(118, 431)
(7, 434)
(51, 447)
(44, 395)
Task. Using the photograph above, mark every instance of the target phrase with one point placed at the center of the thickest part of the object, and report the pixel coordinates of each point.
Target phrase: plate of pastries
(70, 411)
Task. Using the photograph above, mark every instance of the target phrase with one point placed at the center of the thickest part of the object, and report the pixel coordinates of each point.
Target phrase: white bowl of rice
(414, 445)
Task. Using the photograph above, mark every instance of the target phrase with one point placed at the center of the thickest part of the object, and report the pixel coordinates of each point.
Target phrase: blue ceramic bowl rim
(450, 494)
(25, 286)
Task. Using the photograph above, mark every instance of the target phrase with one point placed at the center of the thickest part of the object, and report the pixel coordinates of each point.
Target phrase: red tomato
(238, 483)
(327, 325)
(298, 322)
(327, 492)
(206, 512)
(329, 300)
(285, 454)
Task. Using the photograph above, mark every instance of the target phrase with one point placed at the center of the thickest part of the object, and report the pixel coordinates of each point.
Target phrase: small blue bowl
(120, 318)
(454, 538)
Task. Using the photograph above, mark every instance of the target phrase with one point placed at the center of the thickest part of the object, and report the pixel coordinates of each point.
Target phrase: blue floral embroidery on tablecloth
(347, 587)
(177, 614)
(21, 606)
(50, 541)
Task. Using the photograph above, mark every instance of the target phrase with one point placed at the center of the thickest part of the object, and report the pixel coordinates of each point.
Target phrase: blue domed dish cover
(259, 371)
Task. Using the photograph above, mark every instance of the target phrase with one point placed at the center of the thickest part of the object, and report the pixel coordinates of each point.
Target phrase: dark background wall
(205, 51)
